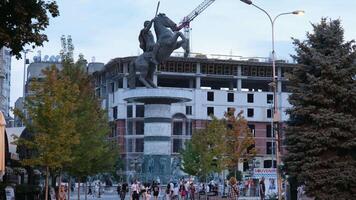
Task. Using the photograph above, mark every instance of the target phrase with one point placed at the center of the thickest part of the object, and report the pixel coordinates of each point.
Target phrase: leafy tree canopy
(22, 22)
(321, 132)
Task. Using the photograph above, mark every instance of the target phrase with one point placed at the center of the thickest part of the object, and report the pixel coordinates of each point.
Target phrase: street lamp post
(276, 114)
(24, 71)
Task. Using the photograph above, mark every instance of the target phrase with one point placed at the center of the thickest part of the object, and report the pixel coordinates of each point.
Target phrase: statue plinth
(157, 128)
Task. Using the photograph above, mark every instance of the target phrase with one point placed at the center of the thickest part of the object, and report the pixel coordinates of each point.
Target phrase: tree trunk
(69, 187)
(78, 188)
(46, 183)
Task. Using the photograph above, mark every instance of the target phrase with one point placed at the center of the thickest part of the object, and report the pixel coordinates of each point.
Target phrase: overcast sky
(109, 29)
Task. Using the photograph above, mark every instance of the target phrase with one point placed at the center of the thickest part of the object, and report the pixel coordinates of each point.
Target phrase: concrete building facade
(5, 81)
(212, 85)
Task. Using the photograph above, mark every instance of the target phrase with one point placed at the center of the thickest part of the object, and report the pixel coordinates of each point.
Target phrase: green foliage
(239, 141)
(22, 23)
(94, 153)
(321, 133)
(49, 109)
(222, 144)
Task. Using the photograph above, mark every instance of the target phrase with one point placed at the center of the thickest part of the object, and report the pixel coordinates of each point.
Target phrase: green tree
(321, 132)
(94, 154)
(239, 143)
(221, 145)
(22, 23)
(204, 151)
(49, 109)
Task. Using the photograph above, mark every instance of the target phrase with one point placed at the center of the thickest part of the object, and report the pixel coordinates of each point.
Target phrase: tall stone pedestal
(157, 129)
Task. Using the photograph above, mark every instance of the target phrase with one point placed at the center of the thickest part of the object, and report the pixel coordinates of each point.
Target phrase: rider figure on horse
(147, 41)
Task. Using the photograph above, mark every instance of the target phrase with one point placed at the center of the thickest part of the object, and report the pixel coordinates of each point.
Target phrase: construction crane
(185, 23)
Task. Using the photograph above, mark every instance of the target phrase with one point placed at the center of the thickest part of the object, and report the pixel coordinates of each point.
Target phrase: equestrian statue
(167, 34)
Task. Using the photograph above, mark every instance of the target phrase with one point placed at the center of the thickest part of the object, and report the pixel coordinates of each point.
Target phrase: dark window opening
(178, 128)
(140, 128)
(140, 110)
(269, 148)
(250, 112)
(268, 163)
(129, 111)
(210, 96)
(139, 145)
(210, 111)
(230, 97)
(129, 128)
(245, 166)
(269, 113)
(268, 131)
(188, 110)
(250, 98)
(269, 98)
(252, 129)
(114, 112)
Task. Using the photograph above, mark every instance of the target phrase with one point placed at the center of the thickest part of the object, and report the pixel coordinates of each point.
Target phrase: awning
(11, 134)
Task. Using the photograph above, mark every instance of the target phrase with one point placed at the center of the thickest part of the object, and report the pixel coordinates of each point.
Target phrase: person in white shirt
(135, 191)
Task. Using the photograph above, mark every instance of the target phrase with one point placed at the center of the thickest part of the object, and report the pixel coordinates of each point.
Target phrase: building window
(269, 98)
(140, 127)
(210, 96)
(178, 128)
(129, 111)
(269, 113)
(139, 145)
(252, 129)
(269, 148)
(210, 111)
(114, 112)
(129, 127)
(245, 166)
(250, 98)
(188, 110)
(188, 128)
(177, 145)
(140, 110)
(129, 145)
(250, 112)
(268, 131)
(230, 97)
(268, 163)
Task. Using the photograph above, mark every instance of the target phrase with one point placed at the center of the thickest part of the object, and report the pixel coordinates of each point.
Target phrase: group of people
(234, 191)
(143, 191)
(183, 190)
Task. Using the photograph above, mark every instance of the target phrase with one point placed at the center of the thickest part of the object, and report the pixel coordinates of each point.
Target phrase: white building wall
(220, 104)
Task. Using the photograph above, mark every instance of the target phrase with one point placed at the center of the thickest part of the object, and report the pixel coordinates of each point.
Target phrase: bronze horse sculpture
(167, 34)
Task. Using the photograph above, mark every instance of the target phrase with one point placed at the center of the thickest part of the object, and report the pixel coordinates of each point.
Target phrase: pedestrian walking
(233, 189)
(62, 195)
(192, 191)
(155, 189)
(182, 191)
(262, 188)
(124, 190)
(135, 191)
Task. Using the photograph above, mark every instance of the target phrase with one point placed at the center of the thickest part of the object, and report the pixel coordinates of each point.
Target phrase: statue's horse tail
(132, 75)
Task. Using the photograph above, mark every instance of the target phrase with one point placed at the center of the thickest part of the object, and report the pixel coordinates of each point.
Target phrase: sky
(109, 29)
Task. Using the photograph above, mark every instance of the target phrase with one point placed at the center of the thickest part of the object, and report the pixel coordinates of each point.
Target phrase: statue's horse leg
(143, 75)
(184, 43)
(150, 74)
